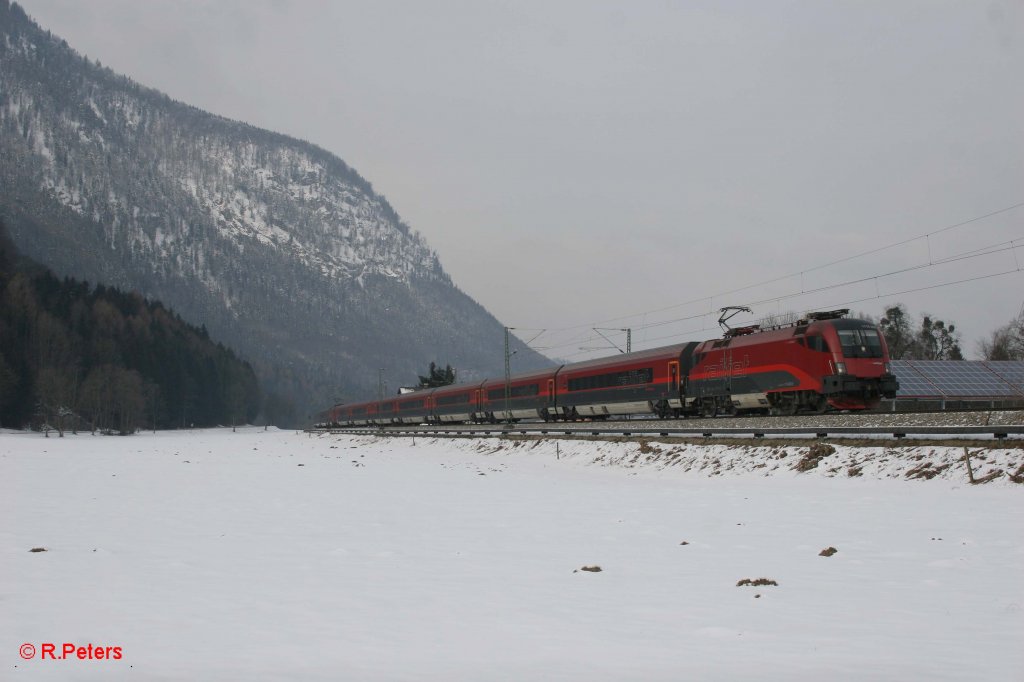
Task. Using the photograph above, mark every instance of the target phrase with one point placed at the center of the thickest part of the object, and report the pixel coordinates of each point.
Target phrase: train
(823, 361)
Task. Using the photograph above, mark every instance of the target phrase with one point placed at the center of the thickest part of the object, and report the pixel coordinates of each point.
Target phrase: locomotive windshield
(860, 343)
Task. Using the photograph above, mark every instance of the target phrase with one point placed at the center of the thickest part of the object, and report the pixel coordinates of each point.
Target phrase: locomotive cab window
(860, 343)
(818, 343)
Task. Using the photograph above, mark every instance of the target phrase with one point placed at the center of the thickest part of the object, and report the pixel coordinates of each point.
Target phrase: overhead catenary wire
(835, 304)
(801, 273)
(977, 252)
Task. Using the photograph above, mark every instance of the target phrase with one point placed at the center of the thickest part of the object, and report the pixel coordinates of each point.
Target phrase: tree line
(930, 338)
(76, 356)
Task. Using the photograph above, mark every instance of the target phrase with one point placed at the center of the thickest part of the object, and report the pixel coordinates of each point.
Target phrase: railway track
(973, 426)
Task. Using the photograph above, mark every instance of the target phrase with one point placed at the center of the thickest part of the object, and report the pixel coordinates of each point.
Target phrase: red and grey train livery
(825, 361)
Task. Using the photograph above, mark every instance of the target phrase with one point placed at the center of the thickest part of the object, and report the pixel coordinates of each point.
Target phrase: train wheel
(708, 409)
(784, 406)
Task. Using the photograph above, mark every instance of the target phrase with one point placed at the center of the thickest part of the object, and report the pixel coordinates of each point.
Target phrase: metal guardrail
(998, 432)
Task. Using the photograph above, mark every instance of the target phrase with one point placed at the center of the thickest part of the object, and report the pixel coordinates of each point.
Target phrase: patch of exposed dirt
(815, 454)
(648, 449)
(988, 478)
(927, 471)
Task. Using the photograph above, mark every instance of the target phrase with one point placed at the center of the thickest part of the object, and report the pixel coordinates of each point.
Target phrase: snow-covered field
(213, 555)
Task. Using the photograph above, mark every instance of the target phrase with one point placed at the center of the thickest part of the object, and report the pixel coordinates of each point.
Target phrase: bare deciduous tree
(1006, 343)
(938, 341)
(55, 391)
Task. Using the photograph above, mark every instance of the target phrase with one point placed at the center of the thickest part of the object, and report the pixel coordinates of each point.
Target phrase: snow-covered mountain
(276, 245)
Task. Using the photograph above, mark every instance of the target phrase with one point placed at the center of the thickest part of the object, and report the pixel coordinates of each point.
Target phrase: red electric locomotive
(819, 362)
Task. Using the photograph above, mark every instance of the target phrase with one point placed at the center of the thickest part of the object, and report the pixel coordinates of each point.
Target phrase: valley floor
(213, 555)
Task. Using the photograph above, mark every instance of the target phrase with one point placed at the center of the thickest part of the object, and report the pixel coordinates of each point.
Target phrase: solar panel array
(912, 382)
(1011, 370)
(959, 379)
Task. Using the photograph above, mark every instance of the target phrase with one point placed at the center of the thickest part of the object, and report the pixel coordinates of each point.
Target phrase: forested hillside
(77, 356)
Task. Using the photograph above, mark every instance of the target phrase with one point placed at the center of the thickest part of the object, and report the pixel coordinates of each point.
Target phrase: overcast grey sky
(578, 161)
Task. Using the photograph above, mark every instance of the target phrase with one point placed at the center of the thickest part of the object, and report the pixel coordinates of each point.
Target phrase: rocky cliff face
(282, 250)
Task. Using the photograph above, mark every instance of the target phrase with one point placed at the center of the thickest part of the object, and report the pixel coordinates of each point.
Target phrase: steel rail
(898, 432)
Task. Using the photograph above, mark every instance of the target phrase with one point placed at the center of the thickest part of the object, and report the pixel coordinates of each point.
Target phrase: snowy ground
(214, 555)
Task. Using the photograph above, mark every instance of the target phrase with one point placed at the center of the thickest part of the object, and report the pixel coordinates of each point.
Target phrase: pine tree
(437, 377)
(895, 325)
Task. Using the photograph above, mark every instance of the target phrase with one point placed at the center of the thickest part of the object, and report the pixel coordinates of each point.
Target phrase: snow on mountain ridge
(333, 227)
(337, 231)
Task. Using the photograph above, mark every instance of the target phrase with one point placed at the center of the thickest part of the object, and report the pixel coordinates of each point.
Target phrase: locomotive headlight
(840, 368)
(887, 367)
